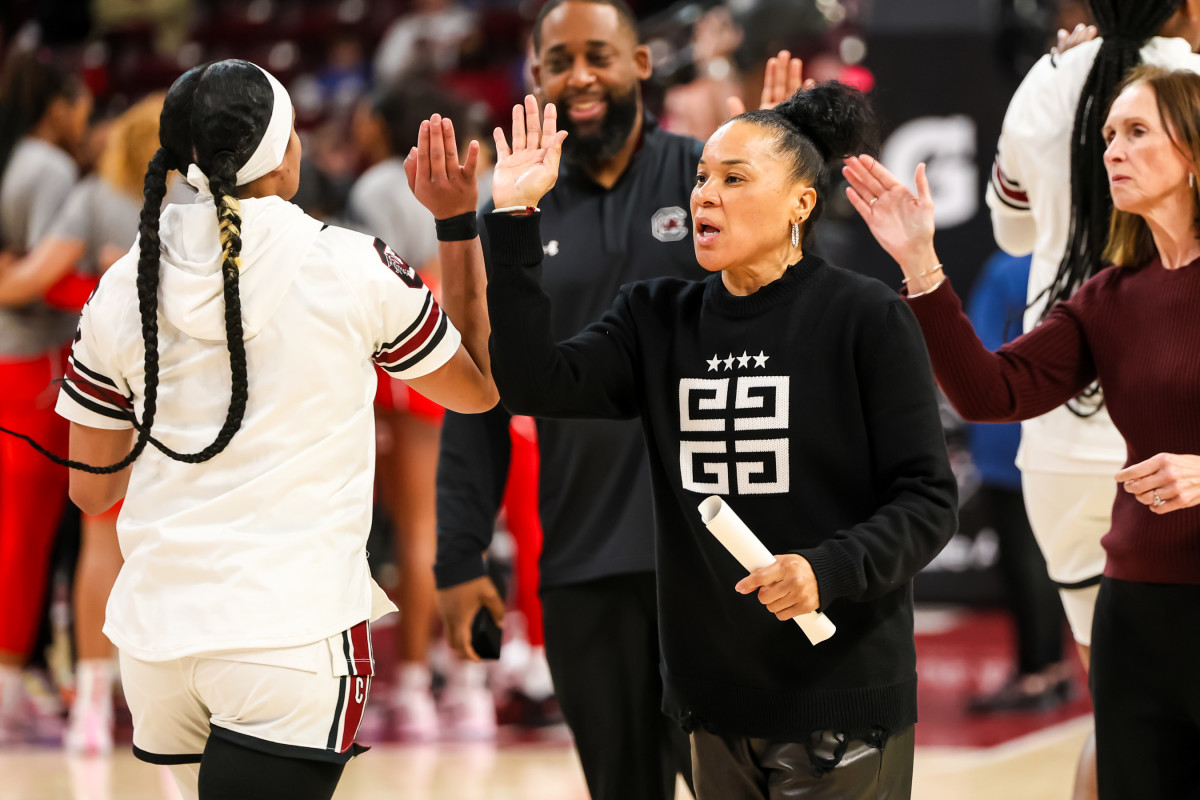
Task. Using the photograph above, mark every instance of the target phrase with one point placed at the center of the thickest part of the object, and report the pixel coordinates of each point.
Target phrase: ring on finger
(874, 200)
(1158, 501)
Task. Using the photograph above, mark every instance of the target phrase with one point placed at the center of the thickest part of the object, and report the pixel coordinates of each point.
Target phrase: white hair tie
(270, 151)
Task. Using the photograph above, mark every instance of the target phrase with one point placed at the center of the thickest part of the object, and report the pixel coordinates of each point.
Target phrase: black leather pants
(739, 768)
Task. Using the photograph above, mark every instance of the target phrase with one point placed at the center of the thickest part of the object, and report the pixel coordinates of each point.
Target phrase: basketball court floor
(1026, 756)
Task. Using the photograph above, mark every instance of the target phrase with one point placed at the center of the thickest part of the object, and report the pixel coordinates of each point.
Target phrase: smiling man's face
(590, 66)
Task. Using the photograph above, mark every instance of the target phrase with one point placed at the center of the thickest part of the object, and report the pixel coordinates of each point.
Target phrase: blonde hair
(132, 142)
(1177, 94)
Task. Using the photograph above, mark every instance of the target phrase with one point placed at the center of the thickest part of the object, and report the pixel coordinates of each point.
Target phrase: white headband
(269, 153)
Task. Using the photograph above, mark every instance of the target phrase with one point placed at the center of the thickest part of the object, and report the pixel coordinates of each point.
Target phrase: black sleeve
(471, 475)
(589, 375)
(911, 471)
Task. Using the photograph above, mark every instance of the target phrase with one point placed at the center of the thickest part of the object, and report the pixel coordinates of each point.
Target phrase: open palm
(902, 222)
(529, 169)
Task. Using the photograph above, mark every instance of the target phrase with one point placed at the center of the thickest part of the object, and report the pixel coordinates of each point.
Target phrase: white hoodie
(263, 545)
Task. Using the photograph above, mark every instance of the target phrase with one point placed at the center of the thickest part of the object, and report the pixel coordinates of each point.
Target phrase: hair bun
(837, 118)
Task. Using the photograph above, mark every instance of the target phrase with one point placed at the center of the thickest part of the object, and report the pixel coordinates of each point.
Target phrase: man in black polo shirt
(618, 214)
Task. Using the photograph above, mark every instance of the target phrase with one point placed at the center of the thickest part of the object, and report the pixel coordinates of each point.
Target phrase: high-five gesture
(437, 180)
(525, 173)
(782, 79)
(900, 221)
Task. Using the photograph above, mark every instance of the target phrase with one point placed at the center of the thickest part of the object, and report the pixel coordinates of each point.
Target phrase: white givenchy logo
(714, 363)
(704, 464)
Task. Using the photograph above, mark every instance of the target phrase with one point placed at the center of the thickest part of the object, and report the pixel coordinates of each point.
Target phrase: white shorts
(1069, 514)
(300, 702)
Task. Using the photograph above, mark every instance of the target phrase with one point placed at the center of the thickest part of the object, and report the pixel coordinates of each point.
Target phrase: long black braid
(218, 113)
(1124, 25)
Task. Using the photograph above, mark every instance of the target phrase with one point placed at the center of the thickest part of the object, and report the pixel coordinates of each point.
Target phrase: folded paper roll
(752, 554)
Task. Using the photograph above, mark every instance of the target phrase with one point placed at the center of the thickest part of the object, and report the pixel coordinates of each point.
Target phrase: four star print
(715, 363)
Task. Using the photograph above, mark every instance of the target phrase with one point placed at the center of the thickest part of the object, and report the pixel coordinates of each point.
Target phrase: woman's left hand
(438, 181)
(788, 588)
(1166, 482)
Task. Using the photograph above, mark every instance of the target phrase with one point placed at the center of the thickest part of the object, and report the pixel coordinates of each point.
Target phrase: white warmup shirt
(264, 545)
(1030, 199)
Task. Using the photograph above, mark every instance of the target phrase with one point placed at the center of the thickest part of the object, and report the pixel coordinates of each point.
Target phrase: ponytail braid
(229, 222)
(1124, 26)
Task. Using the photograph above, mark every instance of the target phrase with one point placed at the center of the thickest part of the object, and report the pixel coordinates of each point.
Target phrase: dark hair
(403, 108)
(816, 128)
(623, 11)
(1125, 25)
(215, 114)
(31, 81)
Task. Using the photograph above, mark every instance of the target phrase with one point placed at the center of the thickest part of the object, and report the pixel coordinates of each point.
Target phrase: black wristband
(462, 228)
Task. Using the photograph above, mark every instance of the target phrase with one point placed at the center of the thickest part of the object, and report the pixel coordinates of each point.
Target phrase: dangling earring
(1192, 179)
(795, 234)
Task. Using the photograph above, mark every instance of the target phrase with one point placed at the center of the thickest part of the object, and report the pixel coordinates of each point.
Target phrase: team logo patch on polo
(397, 265)
(669, 224)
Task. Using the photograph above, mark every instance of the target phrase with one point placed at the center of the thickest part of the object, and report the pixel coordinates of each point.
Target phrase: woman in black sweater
(801, 393)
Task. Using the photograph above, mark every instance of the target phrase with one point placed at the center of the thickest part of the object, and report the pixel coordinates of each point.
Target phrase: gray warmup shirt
(34, 188)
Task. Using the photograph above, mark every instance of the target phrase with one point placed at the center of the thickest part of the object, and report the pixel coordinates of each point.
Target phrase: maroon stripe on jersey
(85, 385)
(1009, 189)
(358, 682)
(418, 339)
(359, 687)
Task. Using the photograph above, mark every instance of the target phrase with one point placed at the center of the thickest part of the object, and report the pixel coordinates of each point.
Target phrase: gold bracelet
(930, 290)
(929, 271)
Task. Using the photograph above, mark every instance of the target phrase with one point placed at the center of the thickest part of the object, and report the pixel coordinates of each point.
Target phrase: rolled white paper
(752, 554)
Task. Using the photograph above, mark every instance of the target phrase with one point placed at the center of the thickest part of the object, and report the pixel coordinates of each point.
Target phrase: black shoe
(1024, 694)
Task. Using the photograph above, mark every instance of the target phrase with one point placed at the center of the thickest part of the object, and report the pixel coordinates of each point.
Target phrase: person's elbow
(93, 494)
(483, 399)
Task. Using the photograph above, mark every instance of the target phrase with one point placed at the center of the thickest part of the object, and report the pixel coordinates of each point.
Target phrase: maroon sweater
(1138, 330)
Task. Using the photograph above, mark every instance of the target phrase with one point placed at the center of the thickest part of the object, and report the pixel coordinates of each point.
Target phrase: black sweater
(810, 406)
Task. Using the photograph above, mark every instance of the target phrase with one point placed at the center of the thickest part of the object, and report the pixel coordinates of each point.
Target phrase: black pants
(1145, 681)
(738, 768)
(1033, 597)
(602, 646)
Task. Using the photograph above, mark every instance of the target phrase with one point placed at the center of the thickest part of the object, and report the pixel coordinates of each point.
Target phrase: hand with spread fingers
(1066, 41)
(788, 588)
(782, 78)
(902, 222)
(529, 169)
(459, 605)
(441, 184)
(1166, 482)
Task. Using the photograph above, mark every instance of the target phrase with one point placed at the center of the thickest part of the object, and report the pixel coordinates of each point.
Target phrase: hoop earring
(795, 234)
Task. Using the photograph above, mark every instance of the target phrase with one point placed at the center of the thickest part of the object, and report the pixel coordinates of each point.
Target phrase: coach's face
(590, 66)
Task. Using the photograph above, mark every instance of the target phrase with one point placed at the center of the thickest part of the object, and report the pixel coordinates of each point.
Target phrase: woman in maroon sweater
(1136, 327)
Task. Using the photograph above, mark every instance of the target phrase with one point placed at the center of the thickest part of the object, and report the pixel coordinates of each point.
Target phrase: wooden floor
(1038, 766)
(960, 756)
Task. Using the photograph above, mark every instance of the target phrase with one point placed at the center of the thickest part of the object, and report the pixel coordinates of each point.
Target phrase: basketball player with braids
(1049, 196)
(242, 610)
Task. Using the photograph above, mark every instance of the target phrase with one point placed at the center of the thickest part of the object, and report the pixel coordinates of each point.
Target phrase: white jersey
(262, 546)
(1030, 200)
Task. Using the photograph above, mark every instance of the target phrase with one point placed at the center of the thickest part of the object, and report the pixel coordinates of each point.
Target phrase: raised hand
(529, 169)
(437, 180)
(902, 222)
(782, 78)
(1066, 41)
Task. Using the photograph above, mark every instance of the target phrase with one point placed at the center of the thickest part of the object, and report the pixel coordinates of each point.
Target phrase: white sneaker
(416, 718)
(90, 723)
(470, 713)
(43, 708)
